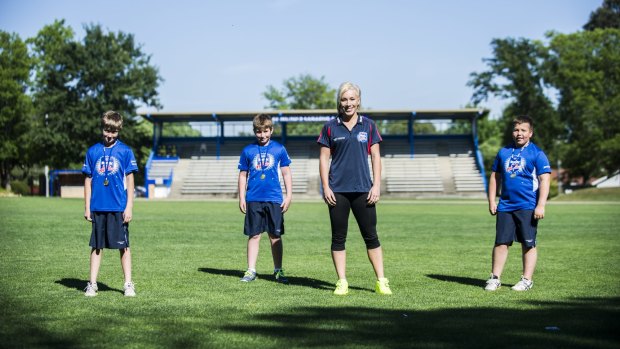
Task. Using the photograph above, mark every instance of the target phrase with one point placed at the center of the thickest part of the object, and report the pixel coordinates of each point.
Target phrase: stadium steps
(180, 172)
(467, 177)
(438, 168)
(420, 174)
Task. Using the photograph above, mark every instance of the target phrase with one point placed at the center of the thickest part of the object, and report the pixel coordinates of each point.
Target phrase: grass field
(189, 256)
(589, 194)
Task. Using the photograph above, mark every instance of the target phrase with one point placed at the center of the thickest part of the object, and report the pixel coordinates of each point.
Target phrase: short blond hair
(112, 121)
(344, 87)
(262, 121)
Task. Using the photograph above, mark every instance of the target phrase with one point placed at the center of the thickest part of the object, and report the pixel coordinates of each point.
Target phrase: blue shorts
(109, 231)
(516, 226)
(263, 217)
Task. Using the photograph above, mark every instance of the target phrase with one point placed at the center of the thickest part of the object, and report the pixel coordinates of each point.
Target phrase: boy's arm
(328, 194)
(494, 180)
(375, 159)
(288, 185)
(242, 182)
(87, 194)
(543, 193)
(127, 215)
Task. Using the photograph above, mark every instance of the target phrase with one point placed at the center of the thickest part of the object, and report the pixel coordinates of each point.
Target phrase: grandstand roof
(308, 115)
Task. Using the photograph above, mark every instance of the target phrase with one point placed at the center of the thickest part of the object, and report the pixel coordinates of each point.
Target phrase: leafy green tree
(490, 140)
(15, 104)
(180, 129)
(585, 68)
(75, 81)
(606, 16)
(516, 73)
(302, 92)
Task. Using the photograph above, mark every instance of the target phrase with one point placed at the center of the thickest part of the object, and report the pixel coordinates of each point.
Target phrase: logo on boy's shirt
(362, 137)
(268, 161)
(111, 162)
(514, 165)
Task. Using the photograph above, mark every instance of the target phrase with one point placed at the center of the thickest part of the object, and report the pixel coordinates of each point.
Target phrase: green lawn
(189, 256)
(591, 194)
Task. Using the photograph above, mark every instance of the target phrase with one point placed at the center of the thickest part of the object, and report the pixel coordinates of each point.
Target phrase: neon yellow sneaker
(383, 286)
(279, 277)
(342, 288)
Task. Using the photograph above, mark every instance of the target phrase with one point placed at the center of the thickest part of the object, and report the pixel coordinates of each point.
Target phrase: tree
(516, 72)
(606, 16)
(302, 92)
(76, 81)
(15, 104)
(585, 68)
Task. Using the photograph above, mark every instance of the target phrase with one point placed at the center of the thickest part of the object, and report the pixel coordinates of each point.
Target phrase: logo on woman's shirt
(362, 137)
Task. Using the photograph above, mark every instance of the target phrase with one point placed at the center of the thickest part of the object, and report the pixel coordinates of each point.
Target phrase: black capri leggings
(365, 215)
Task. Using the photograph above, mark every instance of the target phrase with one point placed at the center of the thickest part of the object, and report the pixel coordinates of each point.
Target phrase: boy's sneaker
(91, 289)
(279, 276)
(523, 285)
(383, 286)
(248, 276)
(130, 289)
(342, 288)
(493, 283)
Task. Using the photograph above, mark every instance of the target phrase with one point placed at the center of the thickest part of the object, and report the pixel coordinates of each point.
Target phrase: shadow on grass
(592, 323)
(462, 280)
(79, 285)
(292, 280)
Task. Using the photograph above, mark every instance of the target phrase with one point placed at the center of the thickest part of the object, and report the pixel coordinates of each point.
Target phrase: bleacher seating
(437, 168)
(211, 176)
(219, 176)
(420, 174)
(466, 174)
(161, 168)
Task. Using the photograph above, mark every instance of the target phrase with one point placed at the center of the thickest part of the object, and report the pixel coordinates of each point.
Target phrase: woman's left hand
(373, 195)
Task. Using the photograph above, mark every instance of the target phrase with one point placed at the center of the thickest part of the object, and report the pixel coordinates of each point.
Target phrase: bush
(553, 188)
(20, 187)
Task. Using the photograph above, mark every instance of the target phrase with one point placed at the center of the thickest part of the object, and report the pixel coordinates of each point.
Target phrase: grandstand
(413, 165)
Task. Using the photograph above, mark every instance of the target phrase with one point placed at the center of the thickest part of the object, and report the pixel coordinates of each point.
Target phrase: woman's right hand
(329, 197)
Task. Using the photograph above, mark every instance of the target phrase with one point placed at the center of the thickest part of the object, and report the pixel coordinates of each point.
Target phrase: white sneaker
(130, 289)
(91, 289)
(493, 284)
(523, 285)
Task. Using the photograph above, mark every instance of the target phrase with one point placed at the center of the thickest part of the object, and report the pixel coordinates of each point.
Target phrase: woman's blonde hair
(346, 86)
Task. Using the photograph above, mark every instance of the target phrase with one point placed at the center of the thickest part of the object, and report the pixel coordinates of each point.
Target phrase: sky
(219, 56)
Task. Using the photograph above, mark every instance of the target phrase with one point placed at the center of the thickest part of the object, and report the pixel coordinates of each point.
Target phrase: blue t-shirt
(113, 163)
(262, 163)
(520, 168)
(349, 172)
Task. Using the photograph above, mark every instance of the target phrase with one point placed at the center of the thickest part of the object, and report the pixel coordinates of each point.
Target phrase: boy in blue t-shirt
(523, 171)
(260, 195)
(108, 199)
